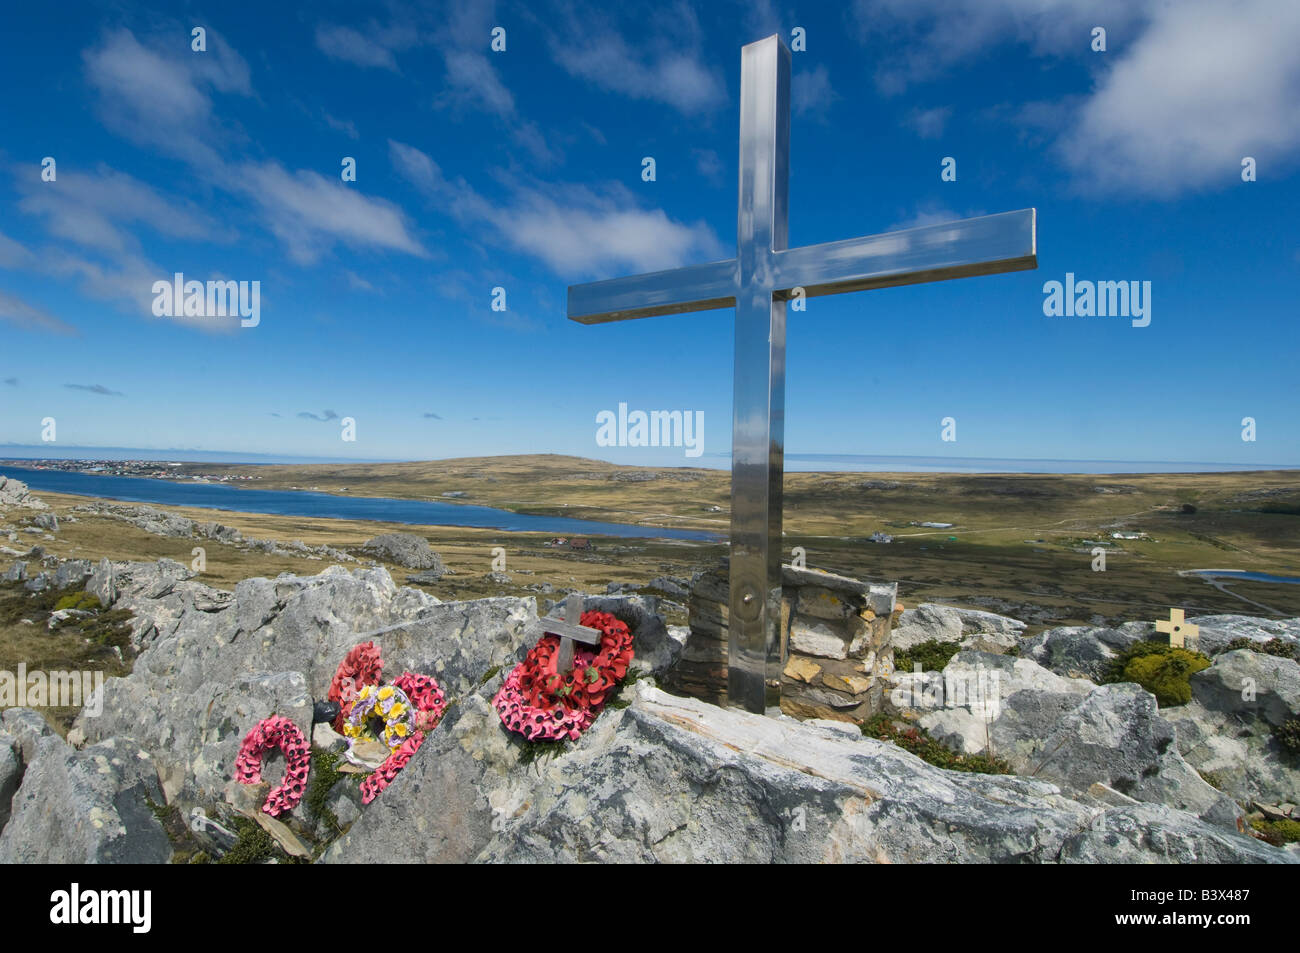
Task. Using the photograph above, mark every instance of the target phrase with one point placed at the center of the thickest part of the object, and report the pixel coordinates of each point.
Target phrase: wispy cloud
(310, 213)
(932, 213)
(352, 46)
(811, 93)
(96, 389)
(327, 415)
(666, 64)
(574, 229)
(161, 96)
(929, 123)
(11, 381)
(91, 208)
(432, 416)
(30, 317)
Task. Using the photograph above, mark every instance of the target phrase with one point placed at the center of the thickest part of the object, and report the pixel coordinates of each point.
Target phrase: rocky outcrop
(657, 777)
(1227, 731)
(1064, 730)
(88, 806)
(971, 628)
(676, 779)
(11, 773)
(1083, 651)
(405, 549)
(216, 665)
(16, 493)
(1155, 834)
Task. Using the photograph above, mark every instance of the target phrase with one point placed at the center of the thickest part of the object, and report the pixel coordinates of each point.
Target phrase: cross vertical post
(757, 283)
(758, 430)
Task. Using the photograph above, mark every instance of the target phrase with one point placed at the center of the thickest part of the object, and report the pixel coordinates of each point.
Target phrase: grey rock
(15, 493)
(927, 623)
(676, 779)
(60, 616)
(405, 549)
(1117, 737)
(11, 773)
(1219, 630)
(1083, 651)
(327, 739)
(1250, 683)
(1227, 730)
(100, 585)
(84, 807)
(46, 521)
(1157, 834)
(27, 727)
(427, 577)
(209, 675)
(17, 572)
(71, 572)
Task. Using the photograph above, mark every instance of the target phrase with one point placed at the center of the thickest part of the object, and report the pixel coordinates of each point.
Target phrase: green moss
(934, 656)
(915, 739)
(1277, 833)
(78, 600)
(324, 775)
(1214, 779)
(254, 846)
(1160, 668)
(489, 674)
(1288, 735)
(1278, 647)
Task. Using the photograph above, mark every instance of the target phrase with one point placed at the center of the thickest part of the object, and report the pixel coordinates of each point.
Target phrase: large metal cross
(758, 282)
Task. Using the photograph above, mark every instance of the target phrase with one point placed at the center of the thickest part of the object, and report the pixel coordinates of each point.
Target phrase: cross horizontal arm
(987, 245)
(569, 630)
(676, 291)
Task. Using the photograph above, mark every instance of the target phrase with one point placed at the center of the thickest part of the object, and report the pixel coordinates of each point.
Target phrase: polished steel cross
(758, 282)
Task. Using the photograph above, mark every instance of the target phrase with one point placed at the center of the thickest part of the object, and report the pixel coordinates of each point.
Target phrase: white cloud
(1184, 91)
(931, 213)
(922, 38)
(19, 312)
(163, 99)
(811, 93)
(345, 43)
(87, 208)
(929, 123)
(666, 67)
(575, 230)
(310, 213)
(1207, 84)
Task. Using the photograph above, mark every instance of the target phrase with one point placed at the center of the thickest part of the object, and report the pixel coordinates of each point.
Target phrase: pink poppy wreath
(276, 732)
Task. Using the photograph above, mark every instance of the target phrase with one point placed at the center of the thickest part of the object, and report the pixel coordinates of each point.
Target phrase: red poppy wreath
(543, 704)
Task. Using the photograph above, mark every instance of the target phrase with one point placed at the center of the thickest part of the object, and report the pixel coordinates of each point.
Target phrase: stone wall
(835, 643)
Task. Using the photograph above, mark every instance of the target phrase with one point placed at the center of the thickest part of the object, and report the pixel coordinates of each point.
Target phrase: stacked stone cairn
(835, 647)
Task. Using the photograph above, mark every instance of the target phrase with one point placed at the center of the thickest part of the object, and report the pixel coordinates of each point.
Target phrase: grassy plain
(1020, 544)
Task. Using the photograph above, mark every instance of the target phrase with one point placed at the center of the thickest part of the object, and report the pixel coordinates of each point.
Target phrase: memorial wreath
(543, 704)
(398, 715)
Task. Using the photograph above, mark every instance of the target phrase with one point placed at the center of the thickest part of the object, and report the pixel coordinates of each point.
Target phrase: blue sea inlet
(220, 496)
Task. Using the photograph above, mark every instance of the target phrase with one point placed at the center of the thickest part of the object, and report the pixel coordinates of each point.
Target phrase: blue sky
(522, 169)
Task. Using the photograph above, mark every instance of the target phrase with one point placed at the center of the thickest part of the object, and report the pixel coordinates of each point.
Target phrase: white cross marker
(1178, 630)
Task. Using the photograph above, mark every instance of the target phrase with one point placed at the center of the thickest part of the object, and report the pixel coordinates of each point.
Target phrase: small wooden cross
(1178, 630)
(570, 631)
